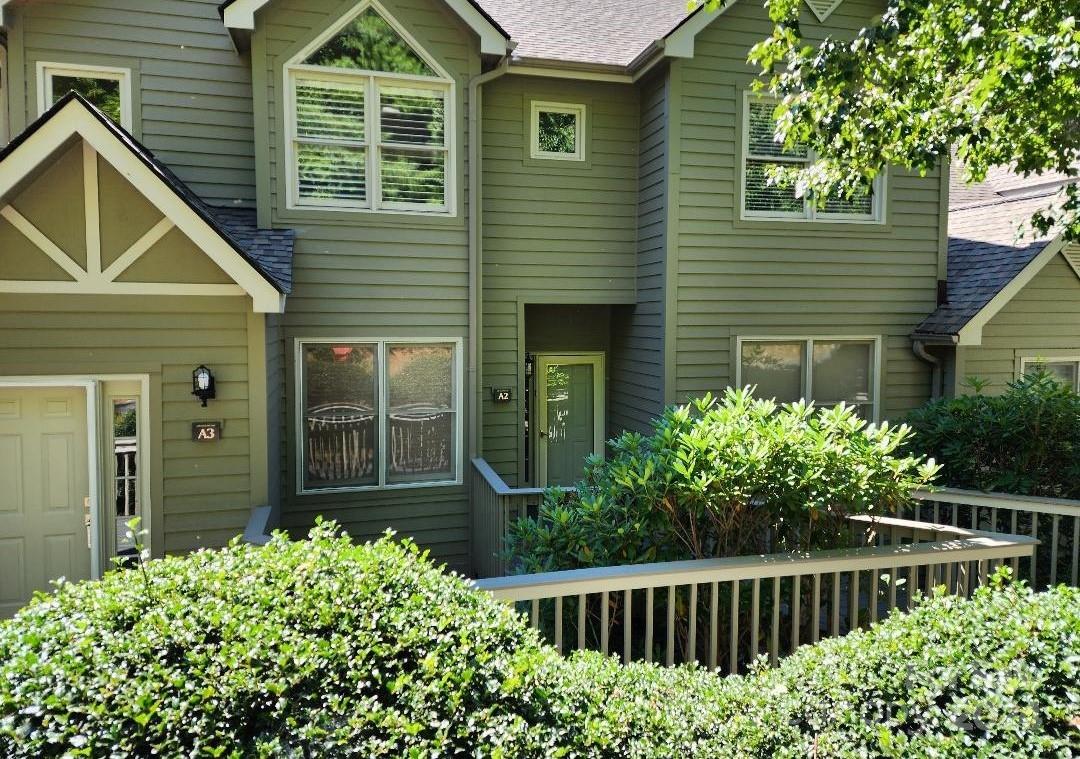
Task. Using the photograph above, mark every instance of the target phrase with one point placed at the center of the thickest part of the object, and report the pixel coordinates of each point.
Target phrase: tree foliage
(996, 82)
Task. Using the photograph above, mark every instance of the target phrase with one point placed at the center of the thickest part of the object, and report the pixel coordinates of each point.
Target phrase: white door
(44, 491)
(570, 415)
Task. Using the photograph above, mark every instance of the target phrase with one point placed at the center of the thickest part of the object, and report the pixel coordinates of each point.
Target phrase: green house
(274, 260)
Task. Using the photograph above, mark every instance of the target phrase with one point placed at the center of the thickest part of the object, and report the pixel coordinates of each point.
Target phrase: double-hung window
(763, 199)
(826, 371)
(370, 122)
(377, 413)
(1065, 370)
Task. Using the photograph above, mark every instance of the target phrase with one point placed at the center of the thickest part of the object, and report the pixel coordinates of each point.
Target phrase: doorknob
(543, 434)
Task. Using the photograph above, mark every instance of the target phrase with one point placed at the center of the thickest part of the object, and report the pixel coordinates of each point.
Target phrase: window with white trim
(557, 131)
(826, 371)
(370, 120)
(1065, 370)
(765, 200)
(378, 413)
(107, 88)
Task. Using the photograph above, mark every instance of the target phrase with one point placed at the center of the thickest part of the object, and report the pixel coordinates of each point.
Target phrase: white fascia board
(680, 43)
(971, 333)
(74, 119)
(241, 15)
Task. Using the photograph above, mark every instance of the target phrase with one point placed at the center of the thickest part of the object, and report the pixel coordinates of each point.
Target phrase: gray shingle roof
(600, 32)
(271, 248)
(986, 251)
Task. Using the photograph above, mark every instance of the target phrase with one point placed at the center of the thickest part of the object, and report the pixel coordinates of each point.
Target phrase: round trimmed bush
(322, 648)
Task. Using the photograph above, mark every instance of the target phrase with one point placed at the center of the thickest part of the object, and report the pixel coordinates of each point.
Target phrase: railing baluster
(534, 614)
(648, 623)
(774, 635)
(755, 618)
(1016, 559)
(627, 624)
(796, 610)
(1034, 550)
(581, 604)
(974, 517)
(733, 648)
(872, 596)
(835, 605)
(853, 601)
(1054, 550)
(993, 519)
(815, 609)
(1076, 550)
(605, 618)
(892, 588)
(691, 645)
(670, 658)
(982, 572)
(714, 621)
(558, 623)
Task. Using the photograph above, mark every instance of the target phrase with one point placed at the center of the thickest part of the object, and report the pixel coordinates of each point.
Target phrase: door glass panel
(125, 470)
(842, 372)
(774, 368)
(421, 413)
(570, 421)
(340, 422)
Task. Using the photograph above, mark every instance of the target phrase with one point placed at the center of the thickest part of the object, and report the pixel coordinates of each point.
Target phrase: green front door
(570, 412)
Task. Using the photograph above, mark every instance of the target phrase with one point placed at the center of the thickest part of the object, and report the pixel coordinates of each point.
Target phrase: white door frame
(92, 384)
(543, 361)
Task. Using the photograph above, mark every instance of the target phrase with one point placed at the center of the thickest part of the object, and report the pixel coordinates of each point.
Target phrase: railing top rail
(1039, 504)
(634, 577)
(499, 485)
(940, 528)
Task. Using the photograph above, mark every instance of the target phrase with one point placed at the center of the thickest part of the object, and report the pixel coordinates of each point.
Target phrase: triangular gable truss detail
(823, 8)
(74, 119)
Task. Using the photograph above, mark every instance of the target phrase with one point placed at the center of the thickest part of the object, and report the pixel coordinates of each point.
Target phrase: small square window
(557, 131)
(108, 89)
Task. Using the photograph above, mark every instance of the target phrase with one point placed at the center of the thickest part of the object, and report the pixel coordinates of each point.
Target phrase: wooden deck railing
(724, 612)
(494, 506)
(1054, 521)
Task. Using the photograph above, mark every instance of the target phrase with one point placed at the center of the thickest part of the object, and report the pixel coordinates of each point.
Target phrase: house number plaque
(501, 395)
(206, 432)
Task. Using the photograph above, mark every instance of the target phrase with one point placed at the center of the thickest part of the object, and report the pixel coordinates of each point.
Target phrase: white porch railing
(724, 612)
(1054, 521)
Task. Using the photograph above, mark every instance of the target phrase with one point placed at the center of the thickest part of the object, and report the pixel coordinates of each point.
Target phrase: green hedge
(320, 648)
(1024, 441)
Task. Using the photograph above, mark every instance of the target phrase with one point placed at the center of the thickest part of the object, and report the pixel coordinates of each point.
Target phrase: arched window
(370, 117)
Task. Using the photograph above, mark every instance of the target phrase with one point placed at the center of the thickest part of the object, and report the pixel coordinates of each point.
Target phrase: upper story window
(370, 118)
(826, 371)
(557, 131)
(762, 200)
(109, 89)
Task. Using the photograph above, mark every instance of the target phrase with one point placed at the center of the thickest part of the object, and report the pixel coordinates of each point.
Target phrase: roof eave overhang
(239, 17)
(569, 69)
(934, 338)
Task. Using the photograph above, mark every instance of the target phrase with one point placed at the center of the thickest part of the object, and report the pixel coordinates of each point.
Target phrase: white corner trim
(74, 119)
(3, 20)
(680, 43)
(971, 333)
(241, 15)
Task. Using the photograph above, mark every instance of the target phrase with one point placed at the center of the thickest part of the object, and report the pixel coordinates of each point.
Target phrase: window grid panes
(826, 372)
(370, 123)
(378, 413)
(763, 199)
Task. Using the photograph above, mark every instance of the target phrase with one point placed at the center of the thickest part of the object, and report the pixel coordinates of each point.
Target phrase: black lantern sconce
(202, 385)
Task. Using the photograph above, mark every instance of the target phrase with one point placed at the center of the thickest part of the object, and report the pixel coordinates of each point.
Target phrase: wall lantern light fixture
(202, 385)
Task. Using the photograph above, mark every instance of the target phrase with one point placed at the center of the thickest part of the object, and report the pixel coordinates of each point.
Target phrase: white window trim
(370, 81)
(381, 344)
(4, 108)
(1040, 358)
(46, 71)
(808, 370)
(810, 212)
(575, 109)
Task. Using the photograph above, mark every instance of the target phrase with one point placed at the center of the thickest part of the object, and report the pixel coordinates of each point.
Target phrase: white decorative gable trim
(75, 120)
(823, 8)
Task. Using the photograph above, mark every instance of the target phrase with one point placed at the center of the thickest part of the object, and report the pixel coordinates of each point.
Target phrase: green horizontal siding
(555, 232)
(1043, 316)
(191, 90)
(746, 278)
(201, 491)
(360, 275)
